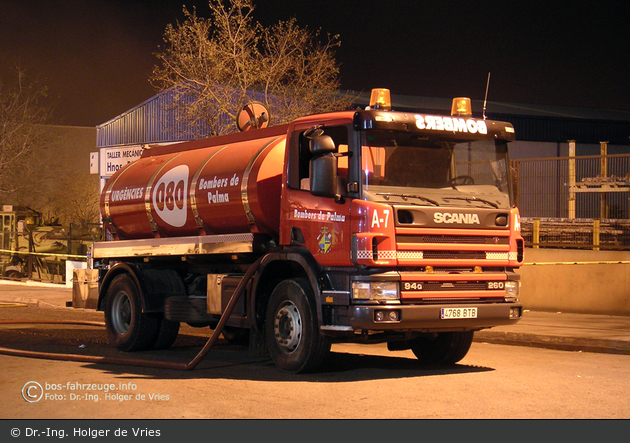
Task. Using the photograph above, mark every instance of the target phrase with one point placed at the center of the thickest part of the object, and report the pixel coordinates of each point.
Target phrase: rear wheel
(167, 333)
(292, 332)
(128, 328)
(445, 348)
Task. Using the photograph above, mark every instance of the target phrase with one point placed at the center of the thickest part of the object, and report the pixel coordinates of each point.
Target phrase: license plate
(457, 313)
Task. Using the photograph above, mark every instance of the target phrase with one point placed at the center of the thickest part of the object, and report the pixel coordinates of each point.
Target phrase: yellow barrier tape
(47, 254)
(620, 262)
(13, 305)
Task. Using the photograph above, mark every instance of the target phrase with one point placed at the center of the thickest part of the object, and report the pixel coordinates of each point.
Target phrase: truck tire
(167, 333)
(128, 328)
(446, 348)
(292, 331)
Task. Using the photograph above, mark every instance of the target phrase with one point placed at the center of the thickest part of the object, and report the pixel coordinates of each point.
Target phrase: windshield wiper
(474, 199)
(406, 197)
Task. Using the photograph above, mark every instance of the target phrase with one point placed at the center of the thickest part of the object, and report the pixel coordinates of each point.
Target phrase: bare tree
(21, 133)
(216, 65)
(63, 190)
(35, 168)
(80, 202)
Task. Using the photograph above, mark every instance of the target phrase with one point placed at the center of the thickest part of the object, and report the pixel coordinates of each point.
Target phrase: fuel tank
(221, 185)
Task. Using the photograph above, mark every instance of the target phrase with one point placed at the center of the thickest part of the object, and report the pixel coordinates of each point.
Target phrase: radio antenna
(486, 97)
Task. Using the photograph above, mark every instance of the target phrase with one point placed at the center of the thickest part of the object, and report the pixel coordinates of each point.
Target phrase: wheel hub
(288, 327)
(121, 313)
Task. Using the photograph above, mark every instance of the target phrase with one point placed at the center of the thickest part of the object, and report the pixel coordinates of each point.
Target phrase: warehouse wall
(551, 282)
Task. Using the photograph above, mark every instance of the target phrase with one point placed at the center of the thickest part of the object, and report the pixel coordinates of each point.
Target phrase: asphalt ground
(553, 330)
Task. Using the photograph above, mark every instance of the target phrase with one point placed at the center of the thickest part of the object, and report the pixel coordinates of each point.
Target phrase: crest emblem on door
(324, 241)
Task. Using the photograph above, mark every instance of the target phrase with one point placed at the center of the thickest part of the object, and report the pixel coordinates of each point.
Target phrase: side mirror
(323, 172)
(323, 166)
(322, 144)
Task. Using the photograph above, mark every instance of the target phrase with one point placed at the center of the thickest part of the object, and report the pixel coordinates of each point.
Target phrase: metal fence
(581, 202)
(574, 187)
(577, 233)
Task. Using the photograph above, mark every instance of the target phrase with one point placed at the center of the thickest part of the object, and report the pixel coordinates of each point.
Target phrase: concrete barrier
(577, 281)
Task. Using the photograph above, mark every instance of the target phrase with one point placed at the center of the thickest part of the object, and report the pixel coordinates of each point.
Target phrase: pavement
(565, 331)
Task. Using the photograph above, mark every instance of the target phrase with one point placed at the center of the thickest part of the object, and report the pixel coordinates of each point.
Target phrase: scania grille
(449, 286)
(452, 239)
(441, 247)
(454, 255)
(463, 270)
(421, 286)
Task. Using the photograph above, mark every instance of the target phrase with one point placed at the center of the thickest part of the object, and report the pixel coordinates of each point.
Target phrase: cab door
(321, 223)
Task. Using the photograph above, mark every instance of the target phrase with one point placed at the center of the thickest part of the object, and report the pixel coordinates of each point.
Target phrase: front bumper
(427, 318)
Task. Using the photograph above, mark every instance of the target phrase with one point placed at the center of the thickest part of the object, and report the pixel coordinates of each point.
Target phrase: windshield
(404, 167)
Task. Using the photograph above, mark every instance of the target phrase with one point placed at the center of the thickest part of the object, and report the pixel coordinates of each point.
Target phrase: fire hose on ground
(135, 362)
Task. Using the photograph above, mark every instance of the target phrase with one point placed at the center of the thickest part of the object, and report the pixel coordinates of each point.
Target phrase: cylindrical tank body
(189, 189)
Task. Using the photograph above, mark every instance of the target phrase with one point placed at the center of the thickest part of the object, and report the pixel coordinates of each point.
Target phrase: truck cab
(411, 220)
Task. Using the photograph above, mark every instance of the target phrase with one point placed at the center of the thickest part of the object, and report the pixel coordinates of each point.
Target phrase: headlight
(383, 290)
(511, 290)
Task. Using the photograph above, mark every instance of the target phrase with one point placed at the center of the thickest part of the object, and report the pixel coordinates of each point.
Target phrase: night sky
(95, 56)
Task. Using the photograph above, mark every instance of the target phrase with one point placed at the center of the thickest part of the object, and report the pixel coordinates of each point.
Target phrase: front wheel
(292, 332)
(445, 348)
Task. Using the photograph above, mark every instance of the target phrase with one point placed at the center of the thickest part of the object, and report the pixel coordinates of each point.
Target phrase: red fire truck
(365, 226)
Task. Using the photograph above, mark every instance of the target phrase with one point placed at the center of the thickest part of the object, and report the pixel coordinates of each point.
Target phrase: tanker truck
(363, 226)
